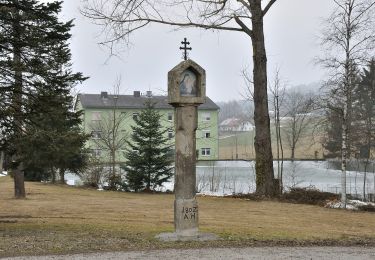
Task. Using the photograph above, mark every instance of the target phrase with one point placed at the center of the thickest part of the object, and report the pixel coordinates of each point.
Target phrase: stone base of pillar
(186, 217)
(170, 237)
(186, 223)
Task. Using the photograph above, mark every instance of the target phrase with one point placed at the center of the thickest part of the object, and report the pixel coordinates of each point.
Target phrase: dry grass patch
(61, 219)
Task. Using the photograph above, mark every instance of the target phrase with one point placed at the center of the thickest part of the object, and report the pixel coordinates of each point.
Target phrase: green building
(108, 118)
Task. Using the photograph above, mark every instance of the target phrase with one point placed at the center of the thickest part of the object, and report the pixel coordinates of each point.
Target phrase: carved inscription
(190, 213)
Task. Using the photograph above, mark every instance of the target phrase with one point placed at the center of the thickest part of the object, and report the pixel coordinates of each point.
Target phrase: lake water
(228, 177)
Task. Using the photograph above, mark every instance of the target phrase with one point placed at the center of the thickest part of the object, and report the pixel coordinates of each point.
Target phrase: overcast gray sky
(291, 28)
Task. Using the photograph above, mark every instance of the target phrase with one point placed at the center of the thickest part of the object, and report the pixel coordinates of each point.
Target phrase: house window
(96, 152)
(135, 115)
(123, 115)
(96, 134)
(96, 116)
(206, 151)
(170, 134)
(170, 116)
(206, 134)
(206, 116)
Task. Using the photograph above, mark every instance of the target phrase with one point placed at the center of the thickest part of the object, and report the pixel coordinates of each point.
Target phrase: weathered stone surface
(170, 237)
(174, 80)
(185, 143)
(186, 206)
(186, 217)
(186, 91)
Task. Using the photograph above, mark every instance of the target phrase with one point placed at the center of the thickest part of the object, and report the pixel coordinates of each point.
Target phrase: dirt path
(332, 253)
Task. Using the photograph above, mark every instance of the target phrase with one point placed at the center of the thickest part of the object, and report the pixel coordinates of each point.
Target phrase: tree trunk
(344, 154)
(53, 175)
(19, 183)
(282, 154)
(263, 151)
(1, 161)
(292, 154)
(19, 180)
(365, 177)
(62, 175)
(113, 178)
(276, 108)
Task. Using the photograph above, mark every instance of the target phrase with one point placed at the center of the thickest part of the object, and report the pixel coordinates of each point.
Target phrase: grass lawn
(60, 219)
(243, 144)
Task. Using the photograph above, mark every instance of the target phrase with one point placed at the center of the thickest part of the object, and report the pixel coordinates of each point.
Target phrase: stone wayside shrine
(186, 91)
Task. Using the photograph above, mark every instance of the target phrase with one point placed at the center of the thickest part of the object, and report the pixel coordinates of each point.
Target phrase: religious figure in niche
(188, 83)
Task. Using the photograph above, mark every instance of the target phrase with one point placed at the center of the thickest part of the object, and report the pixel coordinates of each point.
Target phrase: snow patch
(350, 205)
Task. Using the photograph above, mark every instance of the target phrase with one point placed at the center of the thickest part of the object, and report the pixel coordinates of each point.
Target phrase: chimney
(104, 94)
(149, 93)
(137, 93)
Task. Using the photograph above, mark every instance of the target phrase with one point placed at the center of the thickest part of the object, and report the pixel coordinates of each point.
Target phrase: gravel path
(332, 253)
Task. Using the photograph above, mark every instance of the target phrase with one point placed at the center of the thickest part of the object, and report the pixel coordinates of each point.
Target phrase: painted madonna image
(188, 83)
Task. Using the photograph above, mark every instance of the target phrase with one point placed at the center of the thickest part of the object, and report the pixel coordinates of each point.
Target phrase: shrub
(369, 208)
(308, 195)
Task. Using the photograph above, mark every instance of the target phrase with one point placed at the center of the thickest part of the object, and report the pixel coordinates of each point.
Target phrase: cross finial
(185, 48)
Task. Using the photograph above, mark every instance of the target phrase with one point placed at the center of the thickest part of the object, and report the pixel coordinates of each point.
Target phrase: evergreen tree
(333, 138)
(364, 97)
(34, 56)
(149, 154)
(54, 140)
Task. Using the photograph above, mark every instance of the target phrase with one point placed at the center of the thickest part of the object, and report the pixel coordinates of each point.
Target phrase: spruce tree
(148, 157)
(54, 141)
(333, 129)
(33, 57)
(364, 96)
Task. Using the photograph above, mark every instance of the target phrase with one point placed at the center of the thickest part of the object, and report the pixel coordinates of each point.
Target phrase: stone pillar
(185, 206)
(186, 91)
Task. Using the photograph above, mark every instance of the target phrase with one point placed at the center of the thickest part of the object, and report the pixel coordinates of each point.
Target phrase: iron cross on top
(185, 48)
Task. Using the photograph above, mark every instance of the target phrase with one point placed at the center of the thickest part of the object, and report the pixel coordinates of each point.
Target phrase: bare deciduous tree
(109, 134)
(347, 39)
(277, 89)
(298, 107)
(122, 17)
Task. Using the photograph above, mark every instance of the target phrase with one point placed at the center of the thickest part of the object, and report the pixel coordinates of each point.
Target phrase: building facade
(235, 125)
(108, 119)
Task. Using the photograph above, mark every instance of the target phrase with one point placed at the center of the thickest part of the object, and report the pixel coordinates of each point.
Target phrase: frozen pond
(228, 177)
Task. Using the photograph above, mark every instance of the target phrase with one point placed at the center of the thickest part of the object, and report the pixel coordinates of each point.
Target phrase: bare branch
(243, 26)
(268, 6)
(249, 84)
(119, 18)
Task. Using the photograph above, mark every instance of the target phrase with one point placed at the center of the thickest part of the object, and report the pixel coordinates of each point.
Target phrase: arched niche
(188, 83)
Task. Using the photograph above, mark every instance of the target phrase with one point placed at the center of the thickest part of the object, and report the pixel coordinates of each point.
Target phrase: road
(332, 253)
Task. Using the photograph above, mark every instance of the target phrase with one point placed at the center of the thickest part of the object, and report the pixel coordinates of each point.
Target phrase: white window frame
(96, 134)
(206, 116)
(97, 152)
(170, 134)
(206, 151)
(206, 134)
(170, 116)
(96, 116)
(135, 115)
(123, 114)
